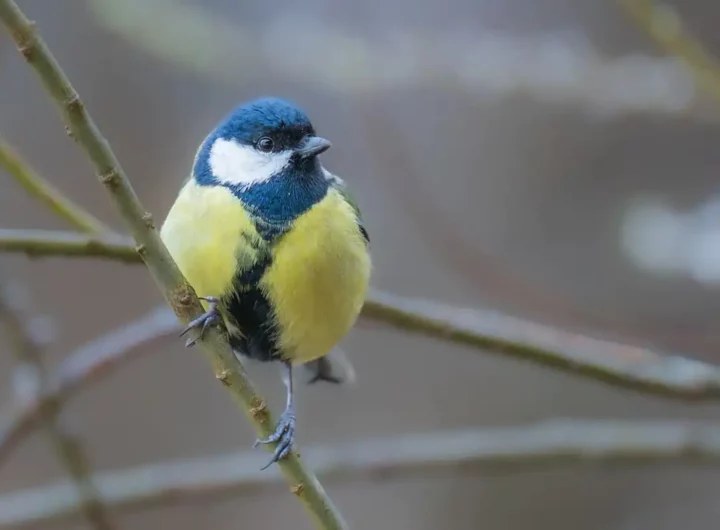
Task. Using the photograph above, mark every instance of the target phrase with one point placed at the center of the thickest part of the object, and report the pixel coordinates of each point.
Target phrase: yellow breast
(319, 274)
(318, 279)
(207, 232)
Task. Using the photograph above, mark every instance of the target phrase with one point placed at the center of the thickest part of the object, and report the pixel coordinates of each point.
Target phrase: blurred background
(539, 157)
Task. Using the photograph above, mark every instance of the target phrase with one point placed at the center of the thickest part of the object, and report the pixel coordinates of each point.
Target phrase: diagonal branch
(68, 447)
(662, 23)
(177, 292)
(48, 194)
(620, 365)
(514, 449)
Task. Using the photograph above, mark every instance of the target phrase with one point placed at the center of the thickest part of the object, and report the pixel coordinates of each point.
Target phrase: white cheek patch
(242, 165)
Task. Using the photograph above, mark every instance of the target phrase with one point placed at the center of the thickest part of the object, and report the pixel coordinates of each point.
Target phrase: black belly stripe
(250, 308)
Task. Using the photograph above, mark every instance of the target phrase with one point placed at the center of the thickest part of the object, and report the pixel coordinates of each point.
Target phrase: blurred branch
(631, 367)
(559, 442)
(41, 189)
(549, 68)
(174, 287)
(636, 368)
(68, 447)
(36, 243)
(640, 369)
(89, 363)
(663, 24)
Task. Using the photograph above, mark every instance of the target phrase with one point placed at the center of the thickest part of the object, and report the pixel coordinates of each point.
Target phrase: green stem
(41, 189)
(663, 25)
(177, 292)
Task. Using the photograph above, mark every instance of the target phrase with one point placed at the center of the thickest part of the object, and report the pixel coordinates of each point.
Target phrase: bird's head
(265, 152)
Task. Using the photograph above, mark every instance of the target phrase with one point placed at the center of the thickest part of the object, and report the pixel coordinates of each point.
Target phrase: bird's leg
(284, 433)
(209, 318)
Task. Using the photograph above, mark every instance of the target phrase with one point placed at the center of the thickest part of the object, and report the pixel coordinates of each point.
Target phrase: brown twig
(68, 447)
(559, 442)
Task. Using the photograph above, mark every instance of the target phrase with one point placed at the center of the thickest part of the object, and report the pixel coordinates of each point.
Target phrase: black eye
(265, 144)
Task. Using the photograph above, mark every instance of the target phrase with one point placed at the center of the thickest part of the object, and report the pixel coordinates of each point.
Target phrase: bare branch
(36, 243)
(174, 287)
(631, 367)
(41, 189)
(68, 447)
(640, 369)
(89, 363)
(628, 366)
(512, 449)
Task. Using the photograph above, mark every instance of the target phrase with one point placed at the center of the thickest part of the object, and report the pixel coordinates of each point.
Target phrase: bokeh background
(542, 158)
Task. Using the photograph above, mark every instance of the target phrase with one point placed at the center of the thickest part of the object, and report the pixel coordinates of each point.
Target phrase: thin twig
(41, 189)
(631, 367)
(662, 23)
(511, 449)
(36, 243)
(177, 292)
(68, 447)
(91, 362)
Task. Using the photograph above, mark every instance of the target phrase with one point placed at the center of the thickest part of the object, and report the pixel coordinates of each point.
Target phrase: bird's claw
(209, 318)
(284, 435)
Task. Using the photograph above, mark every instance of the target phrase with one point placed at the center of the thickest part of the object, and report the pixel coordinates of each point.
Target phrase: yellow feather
(203, 233)
(319, 274)
(318, 279)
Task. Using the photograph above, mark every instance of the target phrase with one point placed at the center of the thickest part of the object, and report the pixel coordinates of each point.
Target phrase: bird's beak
(313, 145)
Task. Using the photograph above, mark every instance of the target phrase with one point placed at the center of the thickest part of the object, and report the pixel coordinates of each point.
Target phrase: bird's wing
(339, 184)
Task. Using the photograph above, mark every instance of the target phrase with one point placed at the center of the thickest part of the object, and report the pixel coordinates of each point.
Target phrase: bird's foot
(211, 317)
(284, 435)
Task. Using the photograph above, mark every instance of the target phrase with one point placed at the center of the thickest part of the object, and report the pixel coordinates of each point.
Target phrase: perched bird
(272, 242)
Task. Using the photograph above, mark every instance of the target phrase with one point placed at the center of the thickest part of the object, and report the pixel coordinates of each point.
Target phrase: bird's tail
(335, 367)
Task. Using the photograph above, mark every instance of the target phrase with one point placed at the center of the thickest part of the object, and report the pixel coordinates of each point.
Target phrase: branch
(662, 23)
(36, 243)
(89, 363)
(68, 448)
(41, 189)
(635, 368)
(550, 443)
(177, 292)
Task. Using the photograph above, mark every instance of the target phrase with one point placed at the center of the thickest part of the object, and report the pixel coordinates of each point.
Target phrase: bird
(274, 245)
